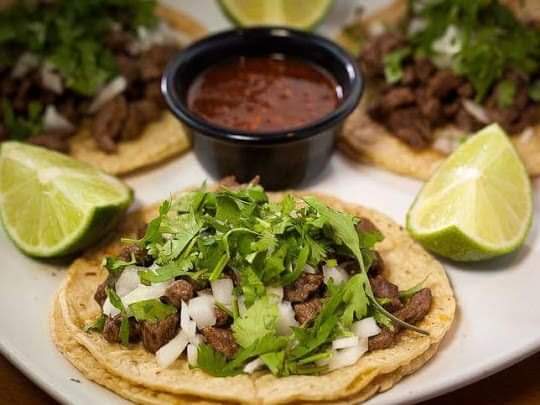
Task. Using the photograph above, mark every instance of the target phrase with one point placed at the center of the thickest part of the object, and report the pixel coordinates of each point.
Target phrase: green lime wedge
(301, 14)
(478, 204)
(52, 205)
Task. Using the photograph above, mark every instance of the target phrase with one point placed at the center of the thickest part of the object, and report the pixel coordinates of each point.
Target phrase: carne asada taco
(89, 83)
(438, 71)
(244, 296)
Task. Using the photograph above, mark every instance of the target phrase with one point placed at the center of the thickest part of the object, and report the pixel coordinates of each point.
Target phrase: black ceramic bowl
(284, 158)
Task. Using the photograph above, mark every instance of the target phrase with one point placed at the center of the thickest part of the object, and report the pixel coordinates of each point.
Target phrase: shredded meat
(222, 340)
(159, 333)
(307, 311)
(303, 287)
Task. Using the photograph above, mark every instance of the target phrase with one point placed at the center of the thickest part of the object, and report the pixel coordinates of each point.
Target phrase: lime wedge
(301, 14)
(478, 204)
(52, 205)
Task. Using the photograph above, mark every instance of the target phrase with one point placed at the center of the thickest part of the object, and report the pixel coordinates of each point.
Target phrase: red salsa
(263, 94)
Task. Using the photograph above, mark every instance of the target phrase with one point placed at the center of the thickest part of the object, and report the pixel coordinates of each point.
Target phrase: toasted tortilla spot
(364, 140)
(406, 264)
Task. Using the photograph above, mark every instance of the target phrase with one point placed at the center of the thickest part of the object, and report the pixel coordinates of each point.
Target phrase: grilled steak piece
(111, 330)
(303, 287)
(383, 340)
(108, 123)
(137, 252)
(222, 317)
(417, 307)
(382, 288)
(307, 311)
(159, 333)
(222, 340)
(178, 291)
(52, 141)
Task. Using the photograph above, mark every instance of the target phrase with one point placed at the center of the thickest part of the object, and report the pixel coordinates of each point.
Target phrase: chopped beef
(158, 333)
(222, 340)
(53, 141)
(377, 267)
(222, 317)
(178, 291)
(303, 287)
(417, 307)
(140, 255)
(424, 68)
(152, 92)
(154, 61)
(100, 295)
(307, 311)
(382, 288)
(411, 126)
(443, 83)
(374, 51)
(118, 40)
(383, 340)
(108, 122)
(397, 97)
(128, 68)
(111, 330)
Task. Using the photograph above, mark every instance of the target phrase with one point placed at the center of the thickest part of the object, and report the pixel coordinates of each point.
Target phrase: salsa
(263, 94)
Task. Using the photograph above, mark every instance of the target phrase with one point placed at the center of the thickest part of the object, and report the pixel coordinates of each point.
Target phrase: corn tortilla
(406, 265)
(365, 140)
(159, 141)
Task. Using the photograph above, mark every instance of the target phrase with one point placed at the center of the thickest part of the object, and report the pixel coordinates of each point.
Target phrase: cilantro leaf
(124, 331)
(115, 300)
(213, 362)
(393, 61)
(151, 310)
(506, 91)
(168, 272)
(115, 265)
(355, 300)
(97, 325)
(259, 320)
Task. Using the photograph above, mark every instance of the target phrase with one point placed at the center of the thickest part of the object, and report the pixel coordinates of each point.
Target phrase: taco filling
(237, 283)
(465, 64)
(62, 62)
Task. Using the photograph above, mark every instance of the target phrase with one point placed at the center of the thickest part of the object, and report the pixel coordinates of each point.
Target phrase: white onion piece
(347, 357)
(192, 354)
(186, 324)
(201, 310)
(275, 293)
(26, 62)
(168, 353)
(109, 309)
(128, 281)
(286, 318)
(476, 110)
(197, 340)
(309, 269)
(345, 342)
(54, 121)
(145, 292)
(51, 79)
(161, 35)
(366, 328)
(449, 43)
(444, 145)
(376, 28)
(222, 290)
(107, 93)
(253, 366)
(338, 274)
(242, 305)
(205, 293)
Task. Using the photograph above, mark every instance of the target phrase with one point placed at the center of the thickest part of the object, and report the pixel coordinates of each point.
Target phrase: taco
(89, 83)
(436, 72)
(238, 295)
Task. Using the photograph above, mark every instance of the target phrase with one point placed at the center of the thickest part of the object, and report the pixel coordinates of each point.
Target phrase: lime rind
(478, 204)
(52, 205)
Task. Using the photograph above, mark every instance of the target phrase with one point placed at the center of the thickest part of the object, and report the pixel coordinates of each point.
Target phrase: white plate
(499, 305)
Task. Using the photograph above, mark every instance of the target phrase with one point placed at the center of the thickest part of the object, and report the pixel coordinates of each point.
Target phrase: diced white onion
(376, 28)
(26, 62)
(286, 318)
(242, 305)
(309, 269)
(186, 324)
(163, 34)
(223, 290)
(338, 274)
(201, 310)
(275, 293)
(53, 121)
(253, 366)
(192, 353)
(51, 79)
(416, 25)
(197, 340)
(108, 92)
(169, 352)
(128, 281)
(145, 292)
(345, 342)
(449, 43)
(366, 328)
(109, 309)
(476, 110)
(348, 357)
(207, 292)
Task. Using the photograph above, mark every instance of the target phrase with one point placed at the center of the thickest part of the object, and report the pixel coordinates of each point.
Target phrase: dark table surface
(518, 385)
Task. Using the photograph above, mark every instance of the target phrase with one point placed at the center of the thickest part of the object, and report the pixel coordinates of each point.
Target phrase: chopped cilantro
(393, 62)
(151, 310)
(506, 91)
(258, 321)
